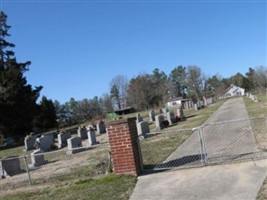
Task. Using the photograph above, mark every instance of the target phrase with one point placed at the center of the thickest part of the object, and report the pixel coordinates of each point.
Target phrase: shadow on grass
(190, 116)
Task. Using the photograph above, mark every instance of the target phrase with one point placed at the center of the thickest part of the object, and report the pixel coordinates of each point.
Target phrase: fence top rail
(57, 151)
(235, 120)
(170, 131)
(204, 124)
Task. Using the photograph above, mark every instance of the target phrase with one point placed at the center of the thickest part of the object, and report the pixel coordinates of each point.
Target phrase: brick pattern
(123, 140)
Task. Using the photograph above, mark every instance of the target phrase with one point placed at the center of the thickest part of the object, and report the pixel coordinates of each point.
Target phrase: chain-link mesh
(235, 140)
(222, 142)
(51, 168)
(165, 150)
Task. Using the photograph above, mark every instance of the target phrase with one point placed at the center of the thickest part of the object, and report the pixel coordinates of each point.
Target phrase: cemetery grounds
(86, 174)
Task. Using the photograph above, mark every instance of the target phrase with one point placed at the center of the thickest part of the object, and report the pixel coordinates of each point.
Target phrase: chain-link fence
(235, 140)
(53, 167)
(168, 149)
(217, 143)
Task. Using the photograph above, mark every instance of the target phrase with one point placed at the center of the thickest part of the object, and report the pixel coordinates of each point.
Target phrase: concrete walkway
(240, 181)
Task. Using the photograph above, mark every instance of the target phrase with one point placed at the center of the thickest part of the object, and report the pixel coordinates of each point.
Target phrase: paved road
(240, 181)
(224, 142)
(232, 109)
(236, 181)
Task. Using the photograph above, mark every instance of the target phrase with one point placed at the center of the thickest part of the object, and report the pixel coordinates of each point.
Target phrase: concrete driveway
(240, 181)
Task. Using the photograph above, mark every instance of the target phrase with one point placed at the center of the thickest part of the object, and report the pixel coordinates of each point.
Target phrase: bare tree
(261, 78)
(194, 80)
(106, 103)
(118, 90)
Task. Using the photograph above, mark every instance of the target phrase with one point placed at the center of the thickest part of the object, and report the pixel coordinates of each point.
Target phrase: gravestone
(165, 110)
(10, 166)
(180, 114)
(29, 141)
(91, 138)
(37, 158)
(159, 121)
(74, 142)
(62, 139)
(100, 127)
(191, 104)
(171, 118)
(142, 128)
(186, 104)
(45, 142)
(151, 115)
(82, 132)
(196, 107)
(138, 118)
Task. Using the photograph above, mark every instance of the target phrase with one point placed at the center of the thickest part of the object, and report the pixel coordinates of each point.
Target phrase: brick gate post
(123, 140)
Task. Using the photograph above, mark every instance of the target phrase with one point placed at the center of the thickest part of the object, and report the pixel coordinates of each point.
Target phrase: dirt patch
(90, 163)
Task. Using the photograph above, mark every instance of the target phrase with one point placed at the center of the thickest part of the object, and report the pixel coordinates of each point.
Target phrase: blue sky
(77, 47)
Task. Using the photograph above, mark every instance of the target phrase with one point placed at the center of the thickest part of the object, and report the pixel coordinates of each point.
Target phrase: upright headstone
(37, 158)
(62, 139)
(142, 128)
(171, 117)
(195, 106)
(138, 118)
(45, 142)
(165, 110)
(82, 132)
(180, 114)
(159, 121)
(9, 166)
(151, 115)
(29, 141)
(91, 138)
(205, 103)
(100, 127)
(74, 142)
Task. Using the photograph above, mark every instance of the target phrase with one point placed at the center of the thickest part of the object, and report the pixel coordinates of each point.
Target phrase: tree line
(20, 113)
(146, 91)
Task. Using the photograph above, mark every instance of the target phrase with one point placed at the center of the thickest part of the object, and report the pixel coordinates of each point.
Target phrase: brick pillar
(123, 140)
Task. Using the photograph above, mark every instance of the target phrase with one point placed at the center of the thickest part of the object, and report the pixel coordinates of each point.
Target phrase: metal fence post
(203, 154)
(27, 169)
(203, 146)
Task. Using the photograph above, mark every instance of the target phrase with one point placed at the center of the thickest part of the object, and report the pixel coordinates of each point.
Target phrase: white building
(177, 102)
(234, 91)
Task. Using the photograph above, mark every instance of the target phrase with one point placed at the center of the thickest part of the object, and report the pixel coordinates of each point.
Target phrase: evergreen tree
(17, 98)
(46, 117)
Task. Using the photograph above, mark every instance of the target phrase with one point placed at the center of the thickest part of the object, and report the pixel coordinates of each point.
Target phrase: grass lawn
(158, 148)
(81, 184)
(16, 151)
(110, 187)
(258, 109)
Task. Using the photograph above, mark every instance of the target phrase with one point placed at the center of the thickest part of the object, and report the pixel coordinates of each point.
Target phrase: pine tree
(46, 117)
(17, 98)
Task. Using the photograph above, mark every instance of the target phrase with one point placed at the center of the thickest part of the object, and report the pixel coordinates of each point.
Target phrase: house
(176, 102)
(234, 91)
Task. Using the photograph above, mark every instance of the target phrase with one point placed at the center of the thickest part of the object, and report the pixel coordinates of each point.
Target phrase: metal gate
(218, 143)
